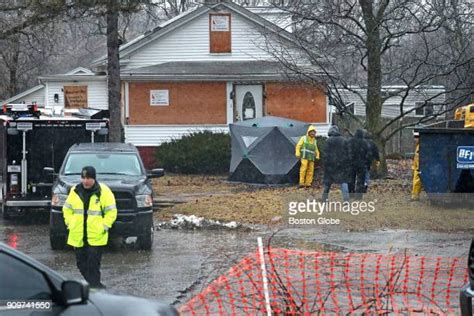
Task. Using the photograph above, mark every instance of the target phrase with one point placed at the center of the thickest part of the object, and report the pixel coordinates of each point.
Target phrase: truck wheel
(57, 242)
(145, 241)
(5, 213)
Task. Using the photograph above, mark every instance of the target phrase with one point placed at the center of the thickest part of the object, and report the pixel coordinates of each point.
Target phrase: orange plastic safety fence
(327, 283)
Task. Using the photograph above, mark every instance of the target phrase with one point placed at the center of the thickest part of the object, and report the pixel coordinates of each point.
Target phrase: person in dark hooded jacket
(336, 161)
(373, 156)
(359, 156)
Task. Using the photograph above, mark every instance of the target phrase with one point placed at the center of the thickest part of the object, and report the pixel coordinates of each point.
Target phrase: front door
(249, 102)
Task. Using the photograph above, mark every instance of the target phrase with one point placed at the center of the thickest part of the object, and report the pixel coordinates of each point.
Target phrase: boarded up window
(220, 35)
(75, 97)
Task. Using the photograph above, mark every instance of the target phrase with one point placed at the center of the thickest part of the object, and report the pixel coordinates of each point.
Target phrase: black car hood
(135, 184)
(117, 305)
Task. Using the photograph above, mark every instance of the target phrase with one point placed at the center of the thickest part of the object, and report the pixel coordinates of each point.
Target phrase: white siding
(96, 93)
(155, 135)
(322, 129)
(191, 43)
(391, 107)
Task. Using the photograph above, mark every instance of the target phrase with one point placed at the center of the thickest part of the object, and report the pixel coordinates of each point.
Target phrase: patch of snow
(180, 221)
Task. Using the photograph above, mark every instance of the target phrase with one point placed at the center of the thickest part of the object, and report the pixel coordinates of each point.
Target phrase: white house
(418, 102)
(77, 88)
(201, 70)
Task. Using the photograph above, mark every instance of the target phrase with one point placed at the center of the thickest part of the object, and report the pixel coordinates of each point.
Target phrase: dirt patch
(212, 197)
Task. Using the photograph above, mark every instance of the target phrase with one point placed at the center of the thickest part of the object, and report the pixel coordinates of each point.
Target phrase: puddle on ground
(182, 261)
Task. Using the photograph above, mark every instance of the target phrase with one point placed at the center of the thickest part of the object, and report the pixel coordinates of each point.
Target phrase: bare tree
(18, 16)
(10, 59)
(111, 10)
(365, 43)
(113, 71)
(23, 20)
(26, 33)
(172, 8)
(26, 55)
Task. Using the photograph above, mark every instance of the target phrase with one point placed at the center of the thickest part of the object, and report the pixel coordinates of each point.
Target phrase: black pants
(88, 262)
(357, 184)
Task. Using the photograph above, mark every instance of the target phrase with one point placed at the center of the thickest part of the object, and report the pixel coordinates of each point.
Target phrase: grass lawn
(213, 197)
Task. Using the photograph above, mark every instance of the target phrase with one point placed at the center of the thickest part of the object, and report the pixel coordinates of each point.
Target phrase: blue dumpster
(447, 162)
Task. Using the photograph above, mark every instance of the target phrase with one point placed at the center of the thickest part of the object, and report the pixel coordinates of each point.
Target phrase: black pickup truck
(120, 167)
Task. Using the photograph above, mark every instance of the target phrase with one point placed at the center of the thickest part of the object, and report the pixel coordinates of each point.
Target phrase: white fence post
(264, 276)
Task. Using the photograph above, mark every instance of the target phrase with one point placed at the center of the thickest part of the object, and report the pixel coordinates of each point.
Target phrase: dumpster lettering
(465, 157)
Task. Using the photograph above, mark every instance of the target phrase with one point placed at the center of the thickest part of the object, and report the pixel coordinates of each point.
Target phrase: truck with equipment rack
(29, 141)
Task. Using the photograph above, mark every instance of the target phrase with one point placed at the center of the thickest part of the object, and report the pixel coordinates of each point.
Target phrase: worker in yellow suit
(307, 150)
(416, 190)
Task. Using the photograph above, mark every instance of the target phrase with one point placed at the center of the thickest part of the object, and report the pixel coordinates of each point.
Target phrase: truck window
(104, 163)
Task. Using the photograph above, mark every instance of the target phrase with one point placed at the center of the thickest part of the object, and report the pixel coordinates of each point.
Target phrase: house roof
(208, 70)
(76, 74)
(80, 71)
(190, 15)
(23, 94)
(67, 78)
(398, 87)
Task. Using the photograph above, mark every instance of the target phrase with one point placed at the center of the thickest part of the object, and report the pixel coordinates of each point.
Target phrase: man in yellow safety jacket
(89, 212)
(307, 150)
(416, 189)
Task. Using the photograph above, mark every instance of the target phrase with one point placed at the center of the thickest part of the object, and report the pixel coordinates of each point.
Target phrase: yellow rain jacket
(101, 215)
(416, 186)
(307, 146)
(416, 159)
(307, 150)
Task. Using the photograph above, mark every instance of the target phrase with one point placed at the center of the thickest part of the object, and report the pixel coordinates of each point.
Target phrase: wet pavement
(182, 262)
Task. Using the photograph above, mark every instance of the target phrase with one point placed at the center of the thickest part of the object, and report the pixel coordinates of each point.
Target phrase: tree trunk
(12, 85)
(382, 170)
(374, 104)
(13, 66)
(113, 73)
(374, 77)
